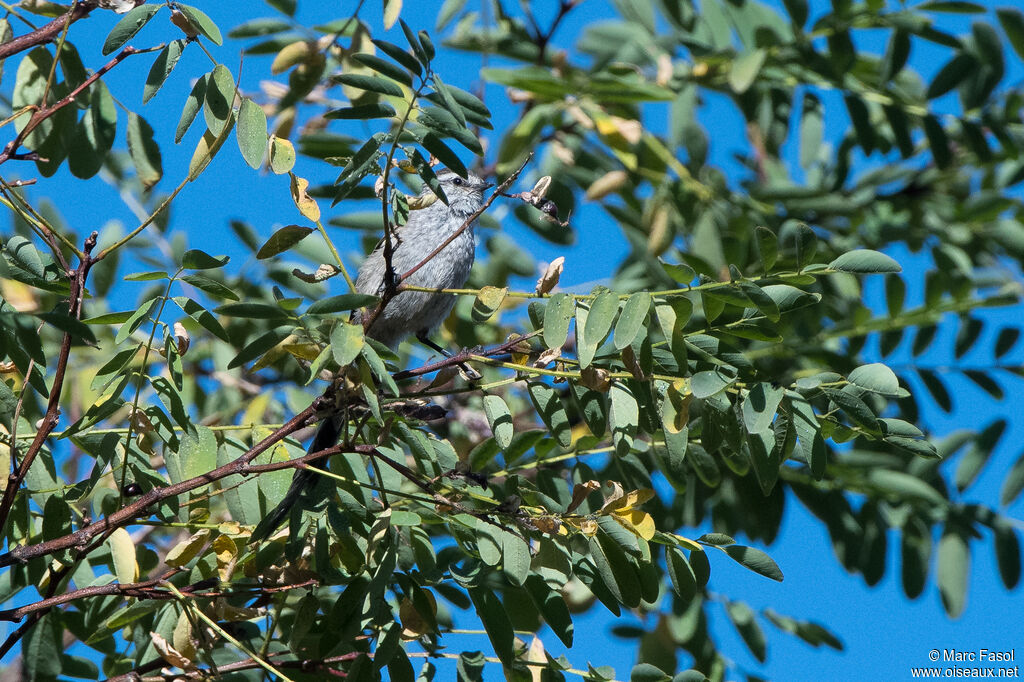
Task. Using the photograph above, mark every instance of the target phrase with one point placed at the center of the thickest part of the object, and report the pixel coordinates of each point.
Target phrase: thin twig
(52, 415)
(49, 32)
(41, 114)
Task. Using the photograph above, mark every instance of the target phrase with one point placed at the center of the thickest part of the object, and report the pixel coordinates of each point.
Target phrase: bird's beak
(486, 185)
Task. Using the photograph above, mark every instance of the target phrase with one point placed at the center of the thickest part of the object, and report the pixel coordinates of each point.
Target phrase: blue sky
(884, 633)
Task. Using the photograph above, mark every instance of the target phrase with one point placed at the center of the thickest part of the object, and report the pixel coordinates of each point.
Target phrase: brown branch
(306, 665)
(391, 292)
(132, 511)
(49, 32)
(463, 356)
(41, 114)
(146, 589)
(139, 590)
(52, 415)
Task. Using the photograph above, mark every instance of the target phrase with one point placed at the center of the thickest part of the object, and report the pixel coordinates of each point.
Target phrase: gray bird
(410, 312)
(420, 312)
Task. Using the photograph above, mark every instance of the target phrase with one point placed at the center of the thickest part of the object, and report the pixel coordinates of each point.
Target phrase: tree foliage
(731, 367)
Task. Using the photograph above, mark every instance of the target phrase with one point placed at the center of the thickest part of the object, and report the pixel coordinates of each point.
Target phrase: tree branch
(49, 32)
(126, 514)
(52, 415)
(40, 115)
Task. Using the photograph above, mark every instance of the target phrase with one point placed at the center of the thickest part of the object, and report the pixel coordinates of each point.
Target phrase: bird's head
(465, 195)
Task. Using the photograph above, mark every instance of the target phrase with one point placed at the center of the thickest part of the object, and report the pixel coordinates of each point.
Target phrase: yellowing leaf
(549, 280)
(306, 204)
(636, 521)
(187, 550)
(606, 184)
(168, 652)
(392, 8)
(226, 552)
(580, 492)
(292, 54)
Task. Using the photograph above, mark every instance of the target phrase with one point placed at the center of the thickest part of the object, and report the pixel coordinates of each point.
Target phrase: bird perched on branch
(408, 312)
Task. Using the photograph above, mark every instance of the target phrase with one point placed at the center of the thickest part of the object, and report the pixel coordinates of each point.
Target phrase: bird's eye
(457, 182)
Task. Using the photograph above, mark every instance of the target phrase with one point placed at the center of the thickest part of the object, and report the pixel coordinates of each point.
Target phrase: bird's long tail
(303, 481)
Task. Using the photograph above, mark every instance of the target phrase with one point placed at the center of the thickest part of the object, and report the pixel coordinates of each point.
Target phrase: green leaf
(25, 255)
(865, 261)
(282, 240)
(938, 141)
(136, 320)
(952, 7)
(709, 382)
(193, 103)
(499, 419)
(854, 408)
(552, 607)
(756, 560)
(1007, 546)
(448, 10)
(251, 133)
(684, 582)
(346, 342)
(357, 167)
(799, 243)
(632, 318)
(220, 94)
(744, 70)
(551, 411)
(258, 346)
(399, 55)
(624, 416)
(143, 150)
(495, 621)
(812, 126)
(162, 67)
(210, 286)
(798, 11)
(937, 389)
(599, 321)
(256, 311)
(196, 259)
(646, 672)
(201, 315)
(445, 125)
(742, 618)
(557, 314)
(615, 569)
(433, 144)
(336, 304)
(202, 22)
(1006, 340)
(957, 70)
(382, 86)
(876, 378)
(384, 67)
(130, 24)
(363, 112)
(258, 27)
(953, 569)
(1013, 484)
(1012, 21)
(760, 405)
(681, 273)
